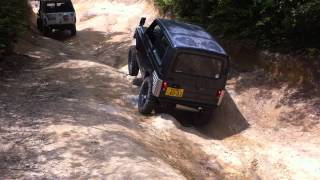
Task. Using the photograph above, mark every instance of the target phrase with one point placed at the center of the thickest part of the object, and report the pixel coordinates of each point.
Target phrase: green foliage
(272, 24)
(13, 20)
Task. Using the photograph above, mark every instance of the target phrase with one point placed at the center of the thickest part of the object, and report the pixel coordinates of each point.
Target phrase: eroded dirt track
(68, 111)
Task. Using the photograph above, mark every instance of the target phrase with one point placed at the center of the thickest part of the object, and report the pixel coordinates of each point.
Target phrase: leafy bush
(272, 24)
(13, 20)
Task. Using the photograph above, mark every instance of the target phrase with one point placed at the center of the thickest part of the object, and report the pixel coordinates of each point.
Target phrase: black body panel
(158, 48)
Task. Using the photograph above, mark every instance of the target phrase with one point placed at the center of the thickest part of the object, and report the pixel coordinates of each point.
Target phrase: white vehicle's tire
(46, 31)
(73, 30)
(39, 24)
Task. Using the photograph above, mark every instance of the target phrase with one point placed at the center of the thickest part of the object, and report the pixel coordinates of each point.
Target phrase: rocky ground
(68, 111)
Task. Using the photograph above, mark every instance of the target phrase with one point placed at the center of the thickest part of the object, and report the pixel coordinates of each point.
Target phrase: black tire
(39, 24)
(133, 67)
(146, 102)
(202, 118)
(73, 30)
(45, 30)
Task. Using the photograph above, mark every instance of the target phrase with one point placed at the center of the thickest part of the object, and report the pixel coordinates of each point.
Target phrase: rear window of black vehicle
(198, 65)
(52, 7)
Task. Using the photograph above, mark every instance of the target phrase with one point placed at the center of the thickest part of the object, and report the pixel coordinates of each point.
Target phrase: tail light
(66, 17)
(73, 16)
(220, 95)
(164, 85)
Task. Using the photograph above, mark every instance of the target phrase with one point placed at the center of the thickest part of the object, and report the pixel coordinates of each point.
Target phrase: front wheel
(146, 102)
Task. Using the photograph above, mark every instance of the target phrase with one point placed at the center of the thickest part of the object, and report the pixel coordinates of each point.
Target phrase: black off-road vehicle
(56, 14)
(182, 67)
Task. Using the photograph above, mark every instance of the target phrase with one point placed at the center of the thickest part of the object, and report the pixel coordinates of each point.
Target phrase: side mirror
(142, 21)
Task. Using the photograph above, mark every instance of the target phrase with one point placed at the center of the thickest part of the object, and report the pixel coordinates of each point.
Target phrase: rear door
(61, 18)
(200, 77)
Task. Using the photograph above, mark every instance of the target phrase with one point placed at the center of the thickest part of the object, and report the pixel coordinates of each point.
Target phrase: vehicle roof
(68, 8)
(57, 1)
(184, 35)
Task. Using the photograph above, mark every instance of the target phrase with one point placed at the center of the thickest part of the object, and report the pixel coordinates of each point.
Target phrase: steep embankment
(68, 111)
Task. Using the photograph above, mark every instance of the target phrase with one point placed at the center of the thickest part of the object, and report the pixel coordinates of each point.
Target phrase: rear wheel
(46, 31)
(147, 101)
(133, 67)
(39, 24)
(73, 30)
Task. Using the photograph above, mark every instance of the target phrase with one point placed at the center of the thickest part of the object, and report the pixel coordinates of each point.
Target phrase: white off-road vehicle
(56, 14)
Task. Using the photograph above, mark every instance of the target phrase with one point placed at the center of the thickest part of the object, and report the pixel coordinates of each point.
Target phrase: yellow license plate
(174, 92)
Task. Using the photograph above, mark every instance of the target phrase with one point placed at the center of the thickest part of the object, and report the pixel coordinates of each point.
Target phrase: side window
(159, 41)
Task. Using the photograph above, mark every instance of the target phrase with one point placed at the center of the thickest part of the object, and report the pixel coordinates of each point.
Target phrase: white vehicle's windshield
(52, 7)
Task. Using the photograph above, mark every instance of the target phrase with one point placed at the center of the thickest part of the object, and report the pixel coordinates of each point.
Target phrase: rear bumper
(191, 104)
(61, 26)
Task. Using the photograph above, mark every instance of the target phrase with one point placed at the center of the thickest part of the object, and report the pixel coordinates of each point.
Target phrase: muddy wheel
(73, 30)
(132, 62)
(147, 101)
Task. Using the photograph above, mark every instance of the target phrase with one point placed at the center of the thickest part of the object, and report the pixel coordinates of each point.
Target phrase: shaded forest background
(13, 21)
(277, 25)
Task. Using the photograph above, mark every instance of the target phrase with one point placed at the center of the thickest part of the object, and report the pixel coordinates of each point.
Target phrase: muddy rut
(68, 111)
